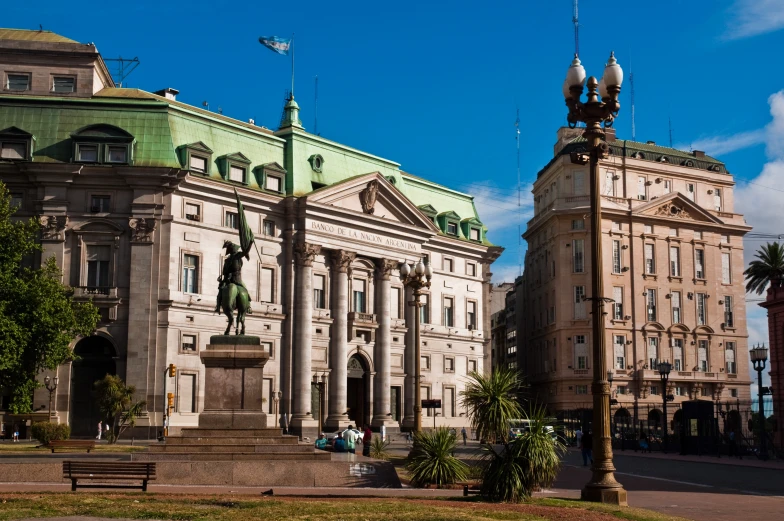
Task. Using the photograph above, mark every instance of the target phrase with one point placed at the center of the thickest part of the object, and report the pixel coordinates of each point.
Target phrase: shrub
(46, 432)
(379, 449)
(431, 461)
(492, 401)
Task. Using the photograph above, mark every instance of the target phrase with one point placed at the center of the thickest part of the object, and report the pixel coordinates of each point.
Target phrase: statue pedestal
(233, 384)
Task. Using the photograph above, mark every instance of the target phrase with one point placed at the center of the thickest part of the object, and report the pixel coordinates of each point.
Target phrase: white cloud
(754, 17)
(718, 145)
(498, 208)
(505, 272)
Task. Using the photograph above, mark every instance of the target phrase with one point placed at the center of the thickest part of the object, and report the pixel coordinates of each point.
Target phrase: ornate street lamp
(417, 278)
(594, 112)
(759, 355)
(51, 388)
(664, 375)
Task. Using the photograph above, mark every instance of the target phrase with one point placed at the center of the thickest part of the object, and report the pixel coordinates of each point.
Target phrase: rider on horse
(232, 272)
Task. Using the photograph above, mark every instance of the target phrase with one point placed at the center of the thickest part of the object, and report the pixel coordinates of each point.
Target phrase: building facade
(135, 193)
(673, 264)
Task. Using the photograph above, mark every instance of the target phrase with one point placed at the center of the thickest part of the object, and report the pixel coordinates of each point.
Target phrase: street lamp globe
(759, 353)
(405, 269)
(665, 368)
(610, 376)
(56, 381)
(613, 74)
(419, 269)
(575, 75)
(565, 88)
(428, 271)
(46, 381)
(603, 89)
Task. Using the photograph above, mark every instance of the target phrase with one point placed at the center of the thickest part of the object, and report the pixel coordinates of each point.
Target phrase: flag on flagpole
(246, 234)
(276, 44)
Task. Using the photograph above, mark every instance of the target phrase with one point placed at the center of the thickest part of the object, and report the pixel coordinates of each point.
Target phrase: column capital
(342, 259)
(304, 253)
(384, 268)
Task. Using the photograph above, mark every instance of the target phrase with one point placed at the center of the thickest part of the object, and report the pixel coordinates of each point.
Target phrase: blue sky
(435, 85)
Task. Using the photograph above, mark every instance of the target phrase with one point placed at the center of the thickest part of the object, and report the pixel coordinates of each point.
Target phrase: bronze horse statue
(232, 293)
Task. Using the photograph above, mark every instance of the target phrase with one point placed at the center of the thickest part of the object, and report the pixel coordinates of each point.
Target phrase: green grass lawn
(32, 447)
(241, 508)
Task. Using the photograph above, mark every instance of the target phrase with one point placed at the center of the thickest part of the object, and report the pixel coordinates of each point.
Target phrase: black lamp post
(51, 388)
(759, 355)
(664, 374)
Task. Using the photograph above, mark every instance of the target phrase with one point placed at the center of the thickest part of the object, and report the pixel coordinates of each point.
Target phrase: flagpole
(292, 65)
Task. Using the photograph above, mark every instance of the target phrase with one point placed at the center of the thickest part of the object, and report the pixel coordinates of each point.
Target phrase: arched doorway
(623, 419)
(655, 421)
(95, 360)
(357, 389)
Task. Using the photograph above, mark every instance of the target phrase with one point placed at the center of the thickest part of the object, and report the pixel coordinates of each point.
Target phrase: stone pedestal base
(304, 428)
(389, 424)
(232, 420)
(335, 423)
(611, 496)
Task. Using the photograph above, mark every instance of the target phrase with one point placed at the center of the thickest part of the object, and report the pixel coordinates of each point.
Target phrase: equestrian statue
(232, 293)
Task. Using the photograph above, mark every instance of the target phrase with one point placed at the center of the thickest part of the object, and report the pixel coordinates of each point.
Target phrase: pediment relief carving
(672, 209)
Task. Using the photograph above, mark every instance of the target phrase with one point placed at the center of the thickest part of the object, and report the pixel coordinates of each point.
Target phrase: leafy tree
(115, 400)
(492, 401)
(768, 268)
(38, 319)
(432, 460)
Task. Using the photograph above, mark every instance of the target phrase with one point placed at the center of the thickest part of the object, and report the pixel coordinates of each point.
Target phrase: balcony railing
(95, 291)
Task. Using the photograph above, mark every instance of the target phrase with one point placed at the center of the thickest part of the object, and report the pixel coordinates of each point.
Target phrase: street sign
(431, 404)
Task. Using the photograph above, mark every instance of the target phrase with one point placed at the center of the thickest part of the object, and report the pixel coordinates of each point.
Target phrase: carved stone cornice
(342, 259)
(384, 268)
(52, 227)
(142, 228)
(304, 253)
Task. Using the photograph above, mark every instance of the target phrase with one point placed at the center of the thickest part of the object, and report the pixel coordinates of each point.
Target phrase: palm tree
(432, 460)
(492, 401)
(769, 268)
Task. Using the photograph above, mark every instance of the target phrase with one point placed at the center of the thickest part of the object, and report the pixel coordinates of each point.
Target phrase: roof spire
(291, 114)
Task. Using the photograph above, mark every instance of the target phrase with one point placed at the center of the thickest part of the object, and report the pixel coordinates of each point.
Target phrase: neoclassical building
(673, 264)
(135, 193)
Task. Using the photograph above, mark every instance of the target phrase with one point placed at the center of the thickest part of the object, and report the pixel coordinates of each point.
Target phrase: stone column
(409, 359)
(302, 421)
(381, 352)
(338, 358)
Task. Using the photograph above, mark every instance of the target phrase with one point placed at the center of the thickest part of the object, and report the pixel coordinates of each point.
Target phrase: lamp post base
(603, 494)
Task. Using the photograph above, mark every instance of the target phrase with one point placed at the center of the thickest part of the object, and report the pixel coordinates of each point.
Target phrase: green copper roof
(33, 36)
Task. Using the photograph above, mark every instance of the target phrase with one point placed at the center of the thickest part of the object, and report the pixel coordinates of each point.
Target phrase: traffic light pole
(169, 372)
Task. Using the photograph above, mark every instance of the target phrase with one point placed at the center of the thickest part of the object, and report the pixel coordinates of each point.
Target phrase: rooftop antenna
(122, 69)
(669, 121)
(631, 82)
(576, 29)
(315, 117)
(519, 207)
(205, 105)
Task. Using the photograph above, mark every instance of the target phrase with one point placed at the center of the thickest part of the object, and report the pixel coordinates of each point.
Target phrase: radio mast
(576, 29)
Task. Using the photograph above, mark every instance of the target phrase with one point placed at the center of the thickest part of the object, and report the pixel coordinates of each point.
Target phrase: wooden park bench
(108, 470)
(72, 444)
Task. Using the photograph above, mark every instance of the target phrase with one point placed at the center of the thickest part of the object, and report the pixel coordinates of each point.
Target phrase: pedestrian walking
(733, 445)
(578, 436)
(465, 435)
(645, 444)
(100, 430)
(587, 448)
(367, 438)
(409, 438)
(16, 432)
(350, 436)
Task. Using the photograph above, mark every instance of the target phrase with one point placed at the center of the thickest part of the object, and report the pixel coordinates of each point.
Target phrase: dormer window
(274, 183)
(234, 167)
(15, 144)
(198, 164)
(196, 157)
(476, 234)
(316, 163)
(272, 177)
(13, 150)
(116, 154)
(63, 84)
(451, 228)
(237, 174)
(87, 153)
(102, 144)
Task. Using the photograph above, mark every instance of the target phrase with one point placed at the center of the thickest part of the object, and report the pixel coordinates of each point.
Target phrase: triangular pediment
(236, 156)
(449, 215)
(676, 206)
(273, 167)
(201, 146)
(428, 209)
(15, 132)
(372, 194)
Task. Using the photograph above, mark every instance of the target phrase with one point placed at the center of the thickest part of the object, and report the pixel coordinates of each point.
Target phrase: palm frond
(492, 401)
(432, 460)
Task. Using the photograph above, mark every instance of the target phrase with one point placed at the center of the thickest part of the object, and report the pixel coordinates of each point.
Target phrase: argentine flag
(276, 43)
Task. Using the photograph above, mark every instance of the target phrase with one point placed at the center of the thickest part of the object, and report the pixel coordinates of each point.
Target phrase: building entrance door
(96, 360)
(356, 391)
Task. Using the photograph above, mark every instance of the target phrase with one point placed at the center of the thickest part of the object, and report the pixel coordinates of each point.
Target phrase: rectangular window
(655, 390)
(100, 203)
(690, 191)
(620, 351)
(425, 363)
(232, 220)
(189, 343)
(725, 239)
(448, 407)
(190, 273)
(16, 200)
(449, 264)
(609, 183)
(675, 299)
(274, 184)
(198, 164)
(424, 310)
(677, 354)
(697, 236)
(319, 294)
(651, 301)
(88, 153)
(650, 259)
(358, 287)
(98, 267)
(578, 224)
(18, 82)
(618, 303)
(616, 226)
(701, 310)
(267, 290)
(13, 150)
(702, 355)
(117, 154)
(425, 394)
(186, 393)
(192, 212)
(470, 269)
(717, 199)
(63, 83)
(653, 352)
(268, 227)
(726, 273)
(471, 314)
(673, 232)
(699, 264)
(449, 311)
(648, 228)
(729, 319)
(729, 358)
(733, 393)
(579, 183)
(675, 261)
(580, 352)
(451, 228)
(642, 190)
(237, 174)
(581, 389)
(579, 303)
(395, 303)
(472, 366)
(475, 236)
(449, 364)
(578, 256)
(667, 186)
(616, 256)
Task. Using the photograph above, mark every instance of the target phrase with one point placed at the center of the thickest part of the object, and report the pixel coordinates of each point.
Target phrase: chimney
(168, 93)
(609, 134)
(698, 153)
(565, 135)
(651, 142)
(252, 121)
